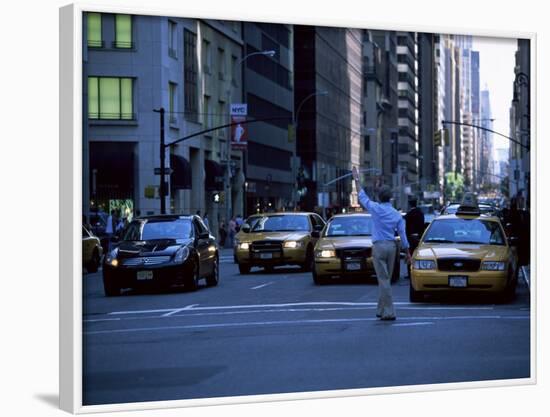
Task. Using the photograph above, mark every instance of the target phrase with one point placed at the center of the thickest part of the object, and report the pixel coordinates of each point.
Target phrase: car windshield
(159, 230)
(281, 223)
(452, 208)
(465, 231)
(350, 226)
(251, 221)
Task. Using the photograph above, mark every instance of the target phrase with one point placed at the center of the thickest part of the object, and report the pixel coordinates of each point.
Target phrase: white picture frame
(70, 259)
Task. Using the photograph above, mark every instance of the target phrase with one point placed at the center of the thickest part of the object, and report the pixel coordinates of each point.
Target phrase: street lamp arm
(201, 132)
(486, 129)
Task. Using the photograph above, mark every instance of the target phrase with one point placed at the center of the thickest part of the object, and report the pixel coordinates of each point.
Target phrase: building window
(221, 64)
(234, 70)
(190, 76)
(206, 116)
(367, 143)
(123, 31)
(172, 109)
(95, 39)
(110, 98)
(207, 57)
(269, 68)
(172, 39)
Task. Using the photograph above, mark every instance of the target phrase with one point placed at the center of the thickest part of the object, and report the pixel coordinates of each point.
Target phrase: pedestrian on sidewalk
(386, 221)
(205, 220)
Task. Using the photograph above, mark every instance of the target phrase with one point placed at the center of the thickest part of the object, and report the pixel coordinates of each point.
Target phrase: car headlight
(292, 244)
(493, 266)
(111, 257)
(181, 255)
(325, 253)
(244, 246)
(423, 264)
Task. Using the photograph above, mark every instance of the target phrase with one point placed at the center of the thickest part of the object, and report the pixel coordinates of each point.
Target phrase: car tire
(111, 289)
(193, 281)
(415, 296)
(244, 269)
(93, 265)
(214, 278)
(307, 266)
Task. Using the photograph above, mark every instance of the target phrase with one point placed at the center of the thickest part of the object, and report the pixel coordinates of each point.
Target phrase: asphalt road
(280, 333)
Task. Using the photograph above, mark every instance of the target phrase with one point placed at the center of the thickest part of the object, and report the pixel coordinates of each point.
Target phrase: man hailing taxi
(386, 221)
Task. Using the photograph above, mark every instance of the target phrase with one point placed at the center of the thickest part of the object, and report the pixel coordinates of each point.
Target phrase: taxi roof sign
(469, 205)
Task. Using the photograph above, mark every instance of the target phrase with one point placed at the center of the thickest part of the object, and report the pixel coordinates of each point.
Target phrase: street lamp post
(228, 202)
(295, 119)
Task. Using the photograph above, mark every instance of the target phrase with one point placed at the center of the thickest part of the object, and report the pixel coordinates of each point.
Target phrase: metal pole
(162, 164)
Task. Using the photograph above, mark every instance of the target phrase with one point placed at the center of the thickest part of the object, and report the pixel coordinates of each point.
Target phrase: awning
(214, 175)
(181, 177)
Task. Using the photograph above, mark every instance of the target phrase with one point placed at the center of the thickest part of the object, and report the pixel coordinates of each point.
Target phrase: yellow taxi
(276, 239)
(464, 252)
(91, 250)
(345, 249)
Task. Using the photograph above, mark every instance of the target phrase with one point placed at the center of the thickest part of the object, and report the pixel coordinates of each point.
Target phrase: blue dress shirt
(386, 220)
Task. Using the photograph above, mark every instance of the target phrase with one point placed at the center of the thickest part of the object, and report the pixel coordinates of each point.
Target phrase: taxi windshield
(467, 231)
(281, 223)
(159, 230)
(350, 226)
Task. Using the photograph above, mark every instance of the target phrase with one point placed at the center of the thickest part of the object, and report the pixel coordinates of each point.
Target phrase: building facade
(135, 65)
(408, 158)
(328, 87)
(520, 128)
(271, 166)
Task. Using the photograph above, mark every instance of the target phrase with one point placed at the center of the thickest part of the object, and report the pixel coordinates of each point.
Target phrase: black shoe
(388, 318)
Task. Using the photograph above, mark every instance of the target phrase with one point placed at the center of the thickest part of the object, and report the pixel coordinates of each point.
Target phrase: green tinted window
(94, 30)
(110, 98)
(93, 98)
(126, 98)
(123, 31)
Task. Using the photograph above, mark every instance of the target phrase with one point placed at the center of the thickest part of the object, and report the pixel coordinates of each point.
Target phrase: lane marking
(286, 322)
(317, 303)
(426, 323)
(179, 310)
(96, 320)
(261, 286)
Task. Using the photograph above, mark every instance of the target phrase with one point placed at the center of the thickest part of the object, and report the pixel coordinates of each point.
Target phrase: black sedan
(162, 251)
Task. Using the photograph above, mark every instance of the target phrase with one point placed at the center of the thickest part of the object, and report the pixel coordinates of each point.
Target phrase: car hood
(157, 247)
(343, 242)
(453, 250)
(253, 236)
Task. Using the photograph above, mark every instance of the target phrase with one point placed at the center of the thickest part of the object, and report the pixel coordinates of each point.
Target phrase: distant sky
(496, 68)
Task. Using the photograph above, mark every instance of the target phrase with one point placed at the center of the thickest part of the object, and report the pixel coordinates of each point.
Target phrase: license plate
(353, 266)
(458, 281)
(266, 255)
(144, 275)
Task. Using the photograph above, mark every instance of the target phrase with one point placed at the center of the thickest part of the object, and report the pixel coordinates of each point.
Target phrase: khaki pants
(383, 256)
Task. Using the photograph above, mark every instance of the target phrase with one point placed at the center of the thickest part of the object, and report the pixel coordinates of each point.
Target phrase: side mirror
(513, 241)
(205, 235)
(245, 228)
